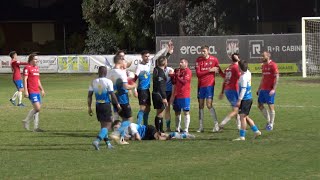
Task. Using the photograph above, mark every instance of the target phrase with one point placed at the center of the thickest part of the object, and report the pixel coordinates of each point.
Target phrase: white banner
(73, 63)
(47, 64)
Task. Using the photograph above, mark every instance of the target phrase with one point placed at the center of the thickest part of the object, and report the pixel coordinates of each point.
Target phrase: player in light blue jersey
(144, 76)
(245, 102)
(102, 87)
(119, 78)
(141, 132)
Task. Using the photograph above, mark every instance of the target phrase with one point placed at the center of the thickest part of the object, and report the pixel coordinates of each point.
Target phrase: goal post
(310, 46)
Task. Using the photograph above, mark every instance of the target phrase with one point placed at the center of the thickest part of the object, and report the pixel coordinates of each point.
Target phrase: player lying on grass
(142, 132)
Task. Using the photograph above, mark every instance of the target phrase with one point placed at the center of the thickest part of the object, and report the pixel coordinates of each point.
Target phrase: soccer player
(149, 132)
(245, 102)
(169, 86)
(16, 75)
(267, 89)
(119, 79)
(159, 96)
(102, 87)
(206, 67)
(144, 77)
(230, 88)
(181, 94)
(32, 90)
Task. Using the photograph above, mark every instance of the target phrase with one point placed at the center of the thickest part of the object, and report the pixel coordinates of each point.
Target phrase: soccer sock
(145, 118)
(168, 122)
(178, 121)
(238, 121)
(15, 95)
(272, 115)
(36, 120)
(214, 116)
(19, 97)
(30, 115)
(158, 123)
(124, 126)
(106, 139)
(242, 133)
(254, 128)
(201, 118)
(186, 122)
(225, 121)
(265, 113)
(102, 134)
(140, 117)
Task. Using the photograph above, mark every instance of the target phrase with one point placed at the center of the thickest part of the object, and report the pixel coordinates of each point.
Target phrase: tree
(123, 24)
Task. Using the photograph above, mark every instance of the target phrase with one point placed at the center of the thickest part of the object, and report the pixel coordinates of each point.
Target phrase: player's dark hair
(243, 65)
(31, 57)
(205, 47)
(12, 53)
(144, 52)
(117, 59)
(102, 71)
(233, 57)
(120, 51)
(116, 122)
(161, 60)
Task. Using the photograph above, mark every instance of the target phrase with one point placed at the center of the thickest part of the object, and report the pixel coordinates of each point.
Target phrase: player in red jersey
(16, 76)
(267, 89)
(32, 89)
(230, 88)
(206, 67)
(181, 94)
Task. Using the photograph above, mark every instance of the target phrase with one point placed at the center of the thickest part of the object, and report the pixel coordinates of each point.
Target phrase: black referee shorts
(126, 111)
(157, 101)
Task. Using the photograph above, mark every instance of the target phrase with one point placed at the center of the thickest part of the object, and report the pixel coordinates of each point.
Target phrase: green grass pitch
(64, 150)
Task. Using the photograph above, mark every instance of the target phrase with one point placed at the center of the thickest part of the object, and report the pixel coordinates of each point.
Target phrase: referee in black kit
(159, 97)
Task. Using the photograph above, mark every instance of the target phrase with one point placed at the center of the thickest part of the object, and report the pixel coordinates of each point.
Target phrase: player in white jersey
(245, 102)
(141, 132)
(144, 76)
(102, 87)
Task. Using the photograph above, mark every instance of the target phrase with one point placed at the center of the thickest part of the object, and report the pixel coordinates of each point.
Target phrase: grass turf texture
(64, 150)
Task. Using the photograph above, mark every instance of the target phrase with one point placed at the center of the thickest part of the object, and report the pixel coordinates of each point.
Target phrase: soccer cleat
(200, 130)
(215, 128)
(109, 146)
(256, 134)
(38, 130)
(21, 105)
(12, 102)
(239, 139)
(26, 125)
(95, 144)
(269, 127)
(123, 142)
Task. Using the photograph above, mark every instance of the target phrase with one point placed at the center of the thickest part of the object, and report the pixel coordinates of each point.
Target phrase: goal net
(310, 46)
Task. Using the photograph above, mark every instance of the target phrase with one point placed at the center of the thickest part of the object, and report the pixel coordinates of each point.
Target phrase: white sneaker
(26, 125)
(239, 139)
(257, 134)
(215, 128)
(200, 130)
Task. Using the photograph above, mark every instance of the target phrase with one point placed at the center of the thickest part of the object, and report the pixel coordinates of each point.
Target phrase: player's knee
(260, 106)
(209, 106)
